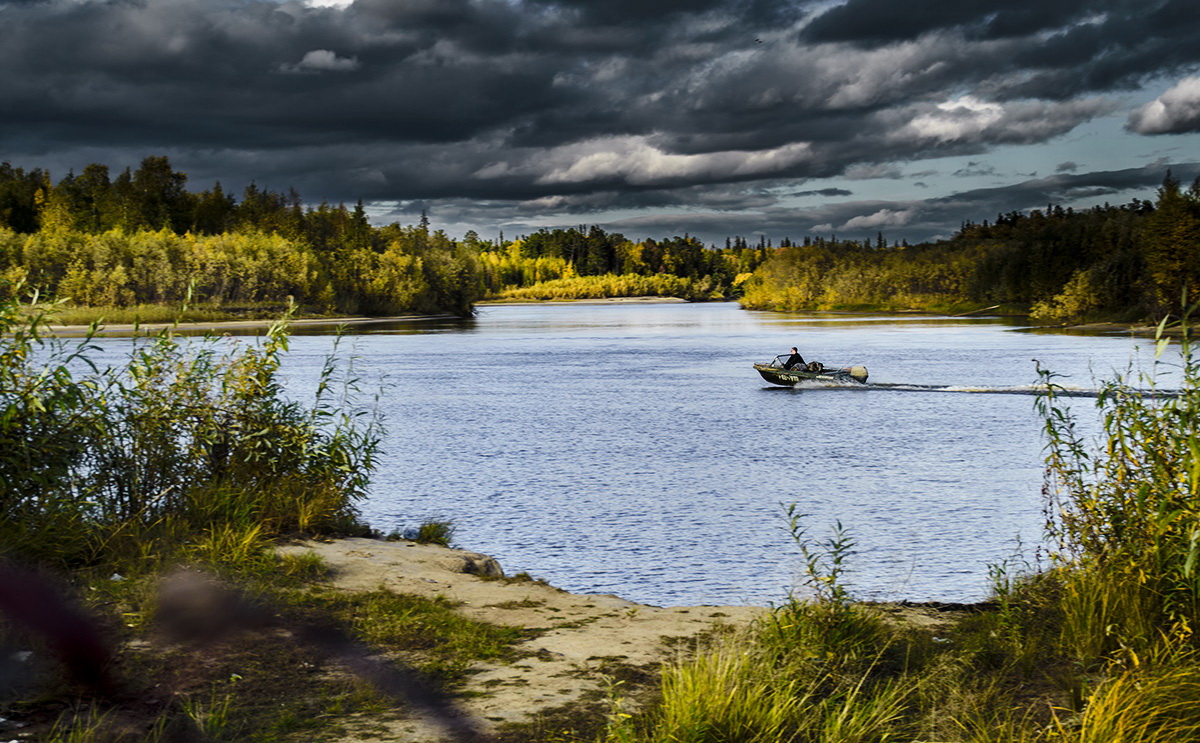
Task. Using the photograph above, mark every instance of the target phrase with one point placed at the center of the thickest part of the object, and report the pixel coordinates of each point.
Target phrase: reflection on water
(633, 449)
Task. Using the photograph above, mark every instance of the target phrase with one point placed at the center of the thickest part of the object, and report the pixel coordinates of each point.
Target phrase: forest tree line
(141, 237)
(1128, 262)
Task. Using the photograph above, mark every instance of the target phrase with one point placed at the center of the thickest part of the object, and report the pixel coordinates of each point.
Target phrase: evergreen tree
(19, 201)
(214, 211)
(1171, 245)
(159, 196)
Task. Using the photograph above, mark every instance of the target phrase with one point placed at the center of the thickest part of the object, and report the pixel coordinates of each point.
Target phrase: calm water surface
(631, 449)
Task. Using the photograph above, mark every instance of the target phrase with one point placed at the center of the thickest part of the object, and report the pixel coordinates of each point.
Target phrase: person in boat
(794, 361)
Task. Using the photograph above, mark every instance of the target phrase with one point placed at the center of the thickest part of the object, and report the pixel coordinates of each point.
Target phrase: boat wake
(823, 384)
(959, 389)
(1031, 389)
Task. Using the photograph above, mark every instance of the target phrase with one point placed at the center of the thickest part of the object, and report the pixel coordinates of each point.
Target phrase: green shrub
(189, 441)
(435, 532)
(612, 285)
(1126, 516)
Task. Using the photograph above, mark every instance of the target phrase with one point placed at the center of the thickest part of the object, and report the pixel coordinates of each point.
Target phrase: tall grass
(1158, 704)
(1125, 516)
(740, 691)
(189, 443)
(145, 314)
(817, 668)
(727, 694)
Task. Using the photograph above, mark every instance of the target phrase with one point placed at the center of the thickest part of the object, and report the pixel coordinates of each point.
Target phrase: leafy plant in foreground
(191, 441)
(1126, 517)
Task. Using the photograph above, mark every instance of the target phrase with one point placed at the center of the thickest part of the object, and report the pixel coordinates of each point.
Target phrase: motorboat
(777, 372)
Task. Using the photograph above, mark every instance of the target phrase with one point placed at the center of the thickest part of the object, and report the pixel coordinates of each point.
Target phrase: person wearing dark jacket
(794, 360)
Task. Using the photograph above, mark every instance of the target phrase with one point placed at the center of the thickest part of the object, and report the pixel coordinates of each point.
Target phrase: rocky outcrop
(474, 563)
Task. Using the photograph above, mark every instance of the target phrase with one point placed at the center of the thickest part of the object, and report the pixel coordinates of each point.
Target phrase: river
(630, 448)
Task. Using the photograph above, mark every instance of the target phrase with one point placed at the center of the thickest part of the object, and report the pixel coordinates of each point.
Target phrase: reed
(1126, 518)
(189, 447)
(143, 314)
(1157, 704)
(739, 691)
(820, 668)
(729, 693)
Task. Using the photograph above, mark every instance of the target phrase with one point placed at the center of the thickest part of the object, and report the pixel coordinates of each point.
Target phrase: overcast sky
(649, 117)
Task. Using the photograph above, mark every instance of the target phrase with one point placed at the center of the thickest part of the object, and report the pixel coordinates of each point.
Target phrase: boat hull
(790, 377)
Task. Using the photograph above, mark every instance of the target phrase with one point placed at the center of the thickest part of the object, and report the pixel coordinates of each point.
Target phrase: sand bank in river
(192, 328)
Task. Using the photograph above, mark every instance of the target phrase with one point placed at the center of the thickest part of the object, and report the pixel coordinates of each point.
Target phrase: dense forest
(1109, 262)
(142, 238)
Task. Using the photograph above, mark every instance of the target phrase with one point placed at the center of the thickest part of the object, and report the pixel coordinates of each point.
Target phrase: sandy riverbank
(242, 326)
(1111, 328)
(330, 323)
(580, 640)
(194, 328)
(580, 643)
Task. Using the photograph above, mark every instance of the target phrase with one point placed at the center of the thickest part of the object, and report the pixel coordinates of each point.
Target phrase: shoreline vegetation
(137, 246)
(200, 326)
(218, 326)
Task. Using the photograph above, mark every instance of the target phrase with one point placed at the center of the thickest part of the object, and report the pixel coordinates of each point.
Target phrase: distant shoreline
(215, 326)
(317, 322)
(219, 325)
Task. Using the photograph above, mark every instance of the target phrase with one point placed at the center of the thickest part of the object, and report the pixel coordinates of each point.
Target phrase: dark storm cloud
(519, 215)
(572, 105)
(916, 220)
(176, 72)
(720, 212)
(1051, 49)
(1073, 188)
(885, 20)
(626, 12)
